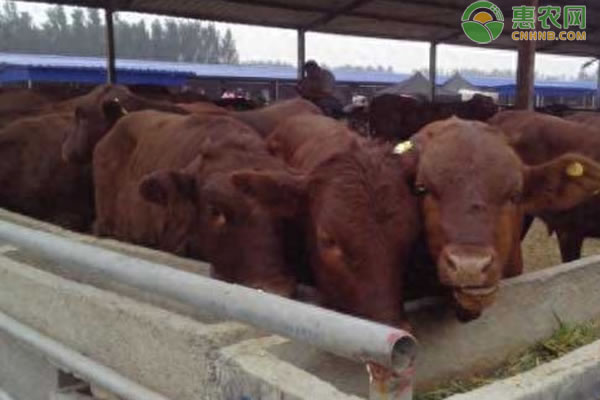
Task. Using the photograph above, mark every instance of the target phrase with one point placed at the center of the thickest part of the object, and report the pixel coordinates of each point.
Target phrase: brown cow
(395, 117)
(264, 120)
(20, 99)
(538, 138)
(585, 117)
(474, 189)
(163, 180)
(203, 107)
(97, 112)
(19, 103)
(34, 180)
(353, 201)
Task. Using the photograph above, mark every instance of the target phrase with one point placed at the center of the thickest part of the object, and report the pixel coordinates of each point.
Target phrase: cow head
(97, 112)
(474, 190)
(95, 115)
(361, 222)
(242, 239)
(480, 107)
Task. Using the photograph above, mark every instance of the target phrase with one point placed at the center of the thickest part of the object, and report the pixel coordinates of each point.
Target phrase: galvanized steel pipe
(346, 336)
(80, 365)
(4, 395)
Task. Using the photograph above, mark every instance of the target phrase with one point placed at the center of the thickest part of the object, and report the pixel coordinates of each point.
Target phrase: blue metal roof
(36, 61)
(53, 68)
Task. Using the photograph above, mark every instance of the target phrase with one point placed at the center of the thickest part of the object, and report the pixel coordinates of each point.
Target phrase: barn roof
(188, 70)
(424, 20)
(54, 68)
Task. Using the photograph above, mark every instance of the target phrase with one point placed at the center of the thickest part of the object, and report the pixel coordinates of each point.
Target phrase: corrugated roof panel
(409, 10)
(254, 72)
(219, 10)
(386, 28)
(200, 70)
(442, 15)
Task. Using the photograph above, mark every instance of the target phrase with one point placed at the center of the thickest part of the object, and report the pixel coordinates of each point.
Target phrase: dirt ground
(541, 251)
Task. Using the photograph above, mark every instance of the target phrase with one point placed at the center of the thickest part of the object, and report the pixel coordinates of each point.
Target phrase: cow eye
(516, 197)
(326, 240)
(217, 215)
(420, 190)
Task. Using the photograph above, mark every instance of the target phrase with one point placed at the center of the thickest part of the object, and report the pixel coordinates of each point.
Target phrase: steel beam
(301, 53)
(598, 84)
(333, 14)
(432, 69)
(526, 71)
(111, 75)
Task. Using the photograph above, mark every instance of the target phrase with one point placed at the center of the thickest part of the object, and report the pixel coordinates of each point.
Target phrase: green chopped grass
(564, 340)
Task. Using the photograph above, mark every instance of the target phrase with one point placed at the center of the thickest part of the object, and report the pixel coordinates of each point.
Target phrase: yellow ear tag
(403, 147)
(575, 169)
(123, 110)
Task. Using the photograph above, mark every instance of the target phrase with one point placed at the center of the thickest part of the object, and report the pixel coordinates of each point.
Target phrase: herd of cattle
(283, 198)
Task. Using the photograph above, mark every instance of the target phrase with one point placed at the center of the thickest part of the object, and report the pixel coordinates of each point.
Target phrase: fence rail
(388, 352)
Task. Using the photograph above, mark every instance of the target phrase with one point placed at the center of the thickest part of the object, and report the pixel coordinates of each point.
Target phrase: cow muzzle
(473, 273)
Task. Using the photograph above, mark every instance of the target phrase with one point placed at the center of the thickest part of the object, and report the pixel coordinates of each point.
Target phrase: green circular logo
(483, 22)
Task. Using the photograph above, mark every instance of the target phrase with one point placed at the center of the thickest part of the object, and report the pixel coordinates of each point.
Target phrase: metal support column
(526, 71)
(111, 76)
(598, 85)
(432, 69)
(301, 53)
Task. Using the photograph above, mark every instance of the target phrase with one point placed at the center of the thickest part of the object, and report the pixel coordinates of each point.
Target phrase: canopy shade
(422, 20)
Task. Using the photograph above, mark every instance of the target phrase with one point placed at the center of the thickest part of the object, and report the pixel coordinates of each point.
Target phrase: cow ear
(408, 153)
(283, 193)
(560, 184)
(161, 186)
(113, 110)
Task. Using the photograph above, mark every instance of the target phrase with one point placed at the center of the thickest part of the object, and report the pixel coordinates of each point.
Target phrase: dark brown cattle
(34, 180)
(236, 104)
(474, 190)
(586, 117)
(203, 107)
(97, 112)
(163, 180)
(395, 117)
(357, 210)
(538, 138)
(264, 120)
(20, 99)
(478, 108)
(18, 103)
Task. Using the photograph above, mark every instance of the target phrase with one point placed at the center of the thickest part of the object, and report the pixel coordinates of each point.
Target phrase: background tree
(82, 33)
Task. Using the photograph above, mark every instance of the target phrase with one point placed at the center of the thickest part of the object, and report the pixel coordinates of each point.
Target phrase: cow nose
(467, 265)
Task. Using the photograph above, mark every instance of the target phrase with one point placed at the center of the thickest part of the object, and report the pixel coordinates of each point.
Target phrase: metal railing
(387, 352)
(67, 358)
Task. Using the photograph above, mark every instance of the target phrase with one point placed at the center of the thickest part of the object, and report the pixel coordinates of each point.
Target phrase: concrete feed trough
(183, 353)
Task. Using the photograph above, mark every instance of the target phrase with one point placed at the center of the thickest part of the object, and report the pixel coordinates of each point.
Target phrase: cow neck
(136, 103)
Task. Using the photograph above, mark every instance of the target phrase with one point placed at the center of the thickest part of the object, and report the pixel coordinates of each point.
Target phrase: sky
(337, 50)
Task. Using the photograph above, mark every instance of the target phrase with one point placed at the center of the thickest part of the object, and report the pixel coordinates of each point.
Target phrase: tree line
(82, 34)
